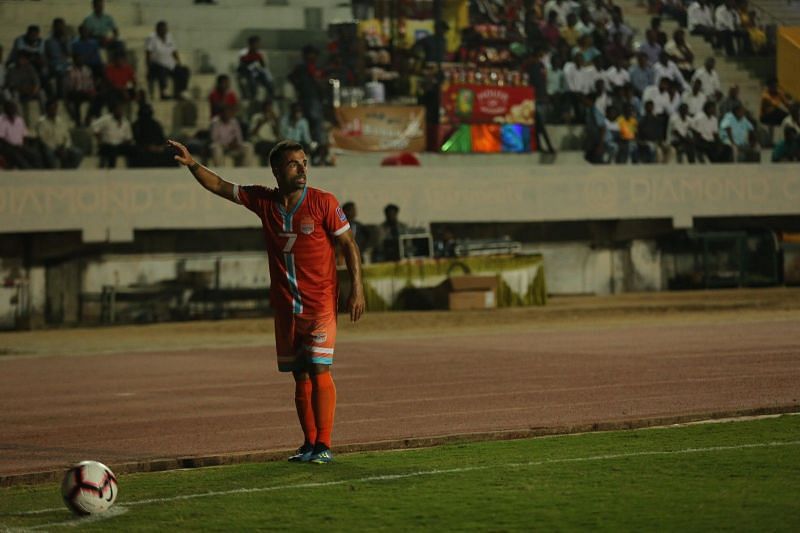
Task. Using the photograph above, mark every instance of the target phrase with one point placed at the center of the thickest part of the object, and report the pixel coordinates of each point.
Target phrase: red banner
(481, 104)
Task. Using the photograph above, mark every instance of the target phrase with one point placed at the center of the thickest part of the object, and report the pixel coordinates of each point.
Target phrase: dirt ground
(134, 395)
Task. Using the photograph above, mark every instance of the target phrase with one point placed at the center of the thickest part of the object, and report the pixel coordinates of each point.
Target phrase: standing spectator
(32, 45)
(389, 233)
(726, 22)
(16, 146)
(651, 136)
(681, 53)
(675, 9)
(57, 52)
(706, 135)
(114, 136)
(757, 37)
(102, 26)
(774, 104)
(164, 62)
(88, 49)
(710, 80)
(227, 140)
(575, 86)
(650, 48)
(120, 79)
(306, 78)
(53, 133)
(695, 99)
(679, 134)
(561, 8)
(294, 126)
(556, 89)
(537, 74)
(642, 74)
(23, 83)
(151, 144)
(599, 143)
(550, 31)
(700, 20)
(666, 68)
(730, 102)
(222, 96)
(254, 70)
(79, 88)
(738, 133)
(265, 131)
(570, 33)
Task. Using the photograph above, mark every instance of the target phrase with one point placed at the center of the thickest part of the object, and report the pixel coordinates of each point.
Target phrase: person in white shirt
(616, 75)
(679, 134)
(665, 68)
(588, 76)
(603, 100)
(673, 99)
(562, 9)
(695, 99)
(164, 62)
(705, 128)
(659, 95)
(574, 85)
(114, 136)
(681, 53)
(728, 26)
(710, 80)
(700, 19)
(792, 120)
(585, 25)
(53, 133)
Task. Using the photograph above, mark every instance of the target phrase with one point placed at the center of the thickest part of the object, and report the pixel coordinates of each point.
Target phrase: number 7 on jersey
(290, 238)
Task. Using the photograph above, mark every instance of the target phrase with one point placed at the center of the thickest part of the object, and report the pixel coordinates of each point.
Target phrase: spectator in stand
(757, 37)
(585, 24)
(661, 36)
(586, 49)
(570, 33)
(730, 102)
(616, 50)
(114, 136)
(537, 74)
(227, 140)
(603, 101)
(626, 97)
(151, 145)
(617, 25)
(727, 24)
(774, 105)
(792, 120)
(681, 53)
(700, 20)
(787, 149)
(23, 83)
(253, 69)
(55, 141)
(360, 231)
(307, 79)
(601, 14)
(695, 99)
(16, 146)
(295, 126)
(651, 136)
(675, 9)
(666, 68)
(707, 141)
(738, 133)
(57, 52)
(79, 88)
(557, 97)
(389, 233)
(222, 96)
(710, 80)
(120, 80)
(561, 8)
(599, 142)
(650, 47)
(550, 30)
(164, 62)
(102, 26)
(673, 102)
(642, 74)
(659, 95)
(616, 76)
(628, 128)
(31, 45)
(88, 49)
(679, 134)
(265, 131)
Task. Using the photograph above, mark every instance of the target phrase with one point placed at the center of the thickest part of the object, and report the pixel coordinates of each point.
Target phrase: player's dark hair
(276, 154)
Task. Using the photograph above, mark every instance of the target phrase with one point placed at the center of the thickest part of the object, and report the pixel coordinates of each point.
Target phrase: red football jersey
(300, 245)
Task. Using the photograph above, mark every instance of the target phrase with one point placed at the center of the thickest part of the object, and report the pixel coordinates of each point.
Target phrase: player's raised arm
(355, 302)
(207, 178)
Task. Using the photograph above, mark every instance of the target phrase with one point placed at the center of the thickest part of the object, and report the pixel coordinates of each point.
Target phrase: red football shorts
(302, 340)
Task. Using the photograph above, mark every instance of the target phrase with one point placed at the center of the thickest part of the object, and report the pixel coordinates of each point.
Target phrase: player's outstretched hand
(183, 157)
(356, 304)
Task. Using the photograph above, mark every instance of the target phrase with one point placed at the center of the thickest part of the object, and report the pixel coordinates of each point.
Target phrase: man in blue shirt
(101, 26)
(737, 132)
(642, 74)
(89, 50)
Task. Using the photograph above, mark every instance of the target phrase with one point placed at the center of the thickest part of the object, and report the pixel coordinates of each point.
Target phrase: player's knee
(317, 369)
(300, 375)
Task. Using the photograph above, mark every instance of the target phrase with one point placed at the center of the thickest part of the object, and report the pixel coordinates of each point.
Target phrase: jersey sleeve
(250, 196)
(334, 221)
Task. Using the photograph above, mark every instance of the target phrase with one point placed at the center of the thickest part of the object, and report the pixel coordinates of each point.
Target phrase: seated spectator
(164, 62)
(88, 49)
(32, 45)
(787, 149)
(550, 30)
(16, 146)
(222, 96)
(707, 141)
(114, 136)
(102, 27)
(700, 20)
(227, 140)
(728, 26)
(626, 97)
(616, 76)
(389, 233)
(756, 36)
(617, 25)
(23, 83)
(265, 131)
(295, 126)
(666, 68)
(792, 120)
(774, 104)
(120, 79)
(730, 102)
(642, 74)
(55, 141)
(569, 32)
(650, 48)
(151, 143)
(253, 69)
(675, 9)
(585, 24)
(586, 49)
(561, 8)
(679, 51)
(57, 52)
(710, 80)
(628, 129)
(603, 100)
(616, 52)
(661, 36)
(673, 102)
(659, 95)
(695, 99)
(79, 88)
(738, 133)
(650, 137)
(679, 134)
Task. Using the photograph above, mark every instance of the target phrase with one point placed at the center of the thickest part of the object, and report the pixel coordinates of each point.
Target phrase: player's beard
(299, 181)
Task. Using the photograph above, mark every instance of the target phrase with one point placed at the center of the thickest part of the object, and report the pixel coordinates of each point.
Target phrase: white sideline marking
(117, 510)
(436, 472)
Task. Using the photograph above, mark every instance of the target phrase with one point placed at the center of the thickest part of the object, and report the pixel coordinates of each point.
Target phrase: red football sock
(305, 410)
(323, 398)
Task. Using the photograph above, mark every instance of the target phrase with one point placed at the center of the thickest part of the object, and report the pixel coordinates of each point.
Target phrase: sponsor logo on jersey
(341, 214)
(319, 336)
(307, 226)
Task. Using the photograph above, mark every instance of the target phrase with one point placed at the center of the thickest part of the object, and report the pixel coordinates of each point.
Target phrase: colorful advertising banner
(480, 104)
(380, 128)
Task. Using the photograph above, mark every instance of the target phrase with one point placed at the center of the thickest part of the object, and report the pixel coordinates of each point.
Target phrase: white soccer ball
(89, 487)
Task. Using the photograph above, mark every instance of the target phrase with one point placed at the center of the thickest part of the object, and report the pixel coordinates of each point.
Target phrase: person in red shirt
(302, 226)
(222, 96)
(121, 79)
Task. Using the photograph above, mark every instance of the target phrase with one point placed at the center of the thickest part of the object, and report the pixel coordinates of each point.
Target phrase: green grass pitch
(725, 476)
